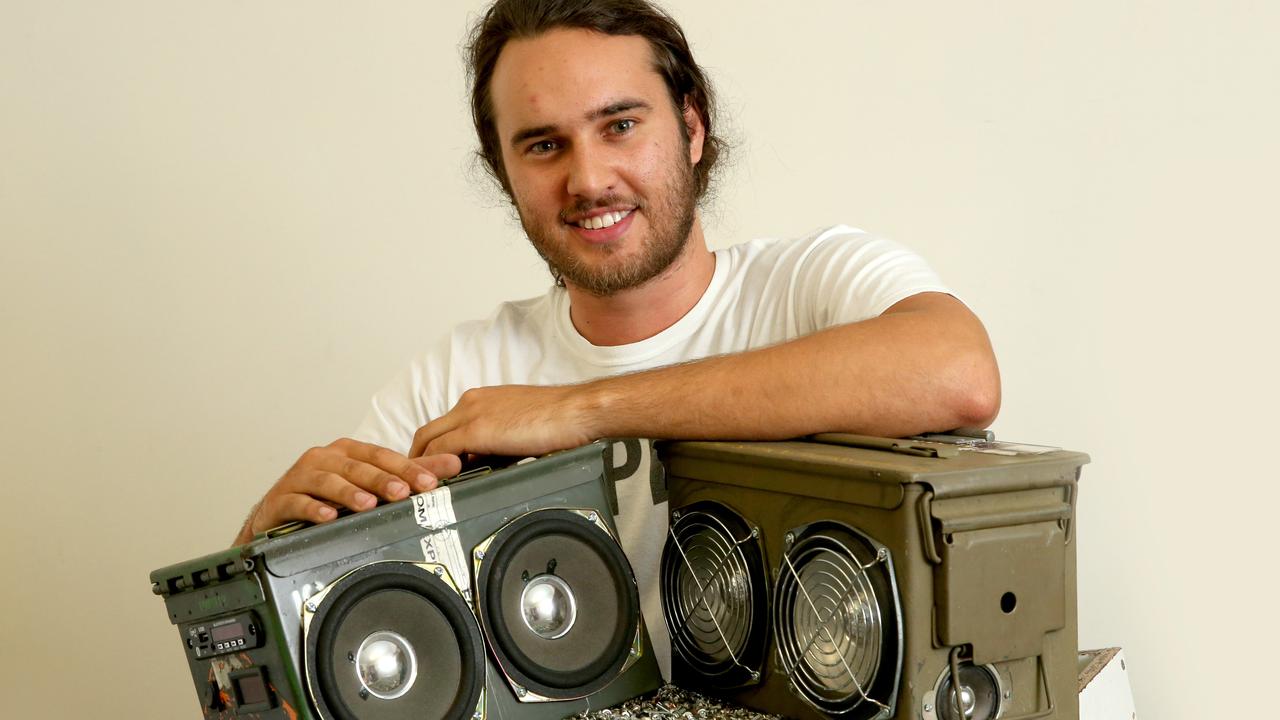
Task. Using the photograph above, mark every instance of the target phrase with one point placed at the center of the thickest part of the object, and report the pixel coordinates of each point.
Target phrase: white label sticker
(434, 510)
(445, 548)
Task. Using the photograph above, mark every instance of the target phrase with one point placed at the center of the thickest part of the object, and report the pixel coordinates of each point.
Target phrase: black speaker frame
(333, 601)
(526, 688)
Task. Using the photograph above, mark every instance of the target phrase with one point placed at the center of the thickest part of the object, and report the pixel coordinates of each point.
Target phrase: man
(598, 124)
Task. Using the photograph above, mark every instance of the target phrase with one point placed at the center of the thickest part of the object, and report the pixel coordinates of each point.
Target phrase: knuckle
(350, 468)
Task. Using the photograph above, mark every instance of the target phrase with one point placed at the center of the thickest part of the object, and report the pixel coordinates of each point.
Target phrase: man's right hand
(344, 473)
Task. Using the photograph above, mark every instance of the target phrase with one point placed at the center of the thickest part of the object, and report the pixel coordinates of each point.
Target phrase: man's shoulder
(775, 253)
(510, 320)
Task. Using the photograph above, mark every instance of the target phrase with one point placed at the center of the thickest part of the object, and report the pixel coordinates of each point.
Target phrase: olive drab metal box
(502, 595)
(855, 577)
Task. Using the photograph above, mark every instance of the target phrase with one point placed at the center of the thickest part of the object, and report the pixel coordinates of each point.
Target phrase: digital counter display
(226, 632)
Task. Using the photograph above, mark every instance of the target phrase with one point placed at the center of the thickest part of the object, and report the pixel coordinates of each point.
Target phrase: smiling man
(594, 118)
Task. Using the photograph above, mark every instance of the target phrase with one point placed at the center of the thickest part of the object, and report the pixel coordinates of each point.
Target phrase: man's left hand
(510, 420)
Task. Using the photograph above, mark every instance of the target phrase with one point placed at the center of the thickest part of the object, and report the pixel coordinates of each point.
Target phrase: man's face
(599, 166)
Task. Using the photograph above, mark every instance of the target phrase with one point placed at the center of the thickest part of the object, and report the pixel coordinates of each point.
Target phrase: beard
(604, 272)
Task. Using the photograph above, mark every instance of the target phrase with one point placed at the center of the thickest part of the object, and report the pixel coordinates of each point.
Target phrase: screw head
(882, 554)
(1008, 694)
(755, 532)
(593, 517)
(521, 692)
(439, 571)
(789, 538)
(479, 554)
(311, 606)
(928, 707)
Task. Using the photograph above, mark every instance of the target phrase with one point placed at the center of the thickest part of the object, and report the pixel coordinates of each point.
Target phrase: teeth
(603, 221)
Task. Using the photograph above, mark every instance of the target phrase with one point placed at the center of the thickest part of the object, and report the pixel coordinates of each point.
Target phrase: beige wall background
(225, 224)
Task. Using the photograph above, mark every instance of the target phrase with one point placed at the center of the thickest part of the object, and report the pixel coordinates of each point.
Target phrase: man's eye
(542, 147)
(620, 127)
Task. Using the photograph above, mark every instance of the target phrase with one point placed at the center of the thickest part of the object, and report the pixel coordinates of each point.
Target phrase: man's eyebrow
(618, 107)
(530, 133)
(613, 108)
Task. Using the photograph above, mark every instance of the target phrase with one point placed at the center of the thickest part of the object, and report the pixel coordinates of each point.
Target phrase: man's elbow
(976, 394)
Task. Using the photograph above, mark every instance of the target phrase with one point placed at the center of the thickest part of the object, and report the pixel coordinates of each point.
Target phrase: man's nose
(591, 173)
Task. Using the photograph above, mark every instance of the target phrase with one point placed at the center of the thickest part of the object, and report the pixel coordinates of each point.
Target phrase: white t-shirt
(762, 292)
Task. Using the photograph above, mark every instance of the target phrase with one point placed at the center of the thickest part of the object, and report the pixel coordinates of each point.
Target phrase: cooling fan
(837, 618)
(715, 595)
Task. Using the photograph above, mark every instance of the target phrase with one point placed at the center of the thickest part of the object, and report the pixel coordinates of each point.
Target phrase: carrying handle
(1048, 694)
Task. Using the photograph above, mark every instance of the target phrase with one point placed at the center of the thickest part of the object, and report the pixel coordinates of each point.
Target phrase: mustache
(584, 205)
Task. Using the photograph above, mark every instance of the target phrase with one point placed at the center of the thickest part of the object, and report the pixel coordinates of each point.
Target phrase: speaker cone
(981, 690)
(714, 596)
(393, 640)
(558, 602)
(836, 616)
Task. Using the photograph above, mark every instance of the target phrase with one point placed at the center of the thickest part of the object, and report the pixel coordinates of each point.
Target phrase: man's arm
(925, 364)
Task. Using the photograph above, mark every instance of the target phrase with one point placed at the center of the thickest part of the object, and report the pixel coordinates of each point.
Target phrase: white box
(1104, 686)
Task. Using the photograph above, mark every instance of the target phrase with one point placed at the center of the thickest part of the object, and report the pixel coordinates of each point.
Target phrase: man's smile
(602, 220)
(603, 226)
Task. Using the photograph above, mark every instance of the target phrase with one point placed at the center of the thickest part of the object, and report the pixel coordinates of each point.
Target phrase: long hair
(524, 19)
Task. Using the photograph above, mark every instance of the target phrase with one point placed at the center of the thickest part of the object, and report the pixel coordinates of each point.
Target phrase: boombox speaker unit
(502, 594)
(869, 578)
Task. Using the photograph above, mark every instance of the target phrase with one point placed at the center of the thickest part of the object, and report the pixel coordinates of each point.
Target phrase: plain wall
(224, 225)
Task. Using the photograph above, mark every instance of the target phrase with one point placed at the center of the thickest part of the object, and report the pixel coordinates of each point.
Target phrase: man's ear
(694, 129)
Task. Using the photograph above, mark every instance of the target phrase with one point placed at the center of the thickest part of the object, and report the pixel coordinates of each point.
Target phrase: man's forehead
(556, 75)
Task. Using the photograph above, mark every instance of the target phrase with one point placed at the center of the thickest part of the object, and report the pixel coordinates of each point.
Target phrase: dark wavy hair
(522, 19)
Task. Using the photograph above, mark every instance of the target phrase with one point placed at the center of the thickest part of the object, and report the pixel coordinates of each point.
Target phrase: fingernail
(364, 499)
(426, 481)
(328, 513)
(397, 489)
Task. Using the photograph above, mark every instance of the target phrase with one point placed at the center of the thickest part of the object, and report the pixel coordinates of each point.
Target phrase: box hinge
(220, 569)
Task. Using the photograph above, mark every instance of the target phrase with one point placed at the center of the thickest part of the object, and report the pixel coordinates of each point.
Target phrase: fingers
(451, 443)
(390, 463)
(295, 506)
(345, 473)
(441, 465)
(426, 434)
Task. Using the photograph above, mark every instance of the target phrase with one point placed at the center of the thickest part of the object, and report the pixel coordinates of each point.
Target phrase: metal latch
(907, 446)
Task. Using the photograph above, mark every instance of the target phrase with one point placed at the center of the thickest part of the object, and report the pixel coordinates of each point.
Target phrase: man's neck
(642, 312)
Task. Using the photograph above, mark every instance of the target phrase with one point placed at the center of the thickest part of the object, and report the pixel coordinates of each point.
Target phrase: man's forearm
(926, 365)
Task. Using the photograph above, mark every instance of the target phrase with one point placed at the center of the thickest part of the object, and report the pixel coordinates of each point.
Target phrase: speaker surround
(570, 558)
(414, 614)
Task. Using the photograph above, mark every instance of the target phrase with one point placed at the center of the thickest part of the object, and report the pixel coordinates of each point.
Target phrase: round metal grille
(835, 616)
(713, 594)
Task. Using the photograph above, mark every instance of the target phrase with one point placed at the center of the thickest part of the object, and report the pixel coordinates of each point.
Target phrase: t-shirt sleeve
(410, 400)
(847, 275)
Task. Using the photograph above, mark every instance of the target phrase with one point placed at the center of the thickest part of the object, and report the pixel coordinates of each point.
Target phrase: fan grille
(836, 621)
(713, 593)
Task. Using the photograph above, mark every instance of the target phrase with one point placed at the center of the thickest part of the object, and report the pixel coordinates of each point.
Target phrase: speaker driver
(714, 596)
(836, 617)
(981, 690)
(558, 602)
(393, 640)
